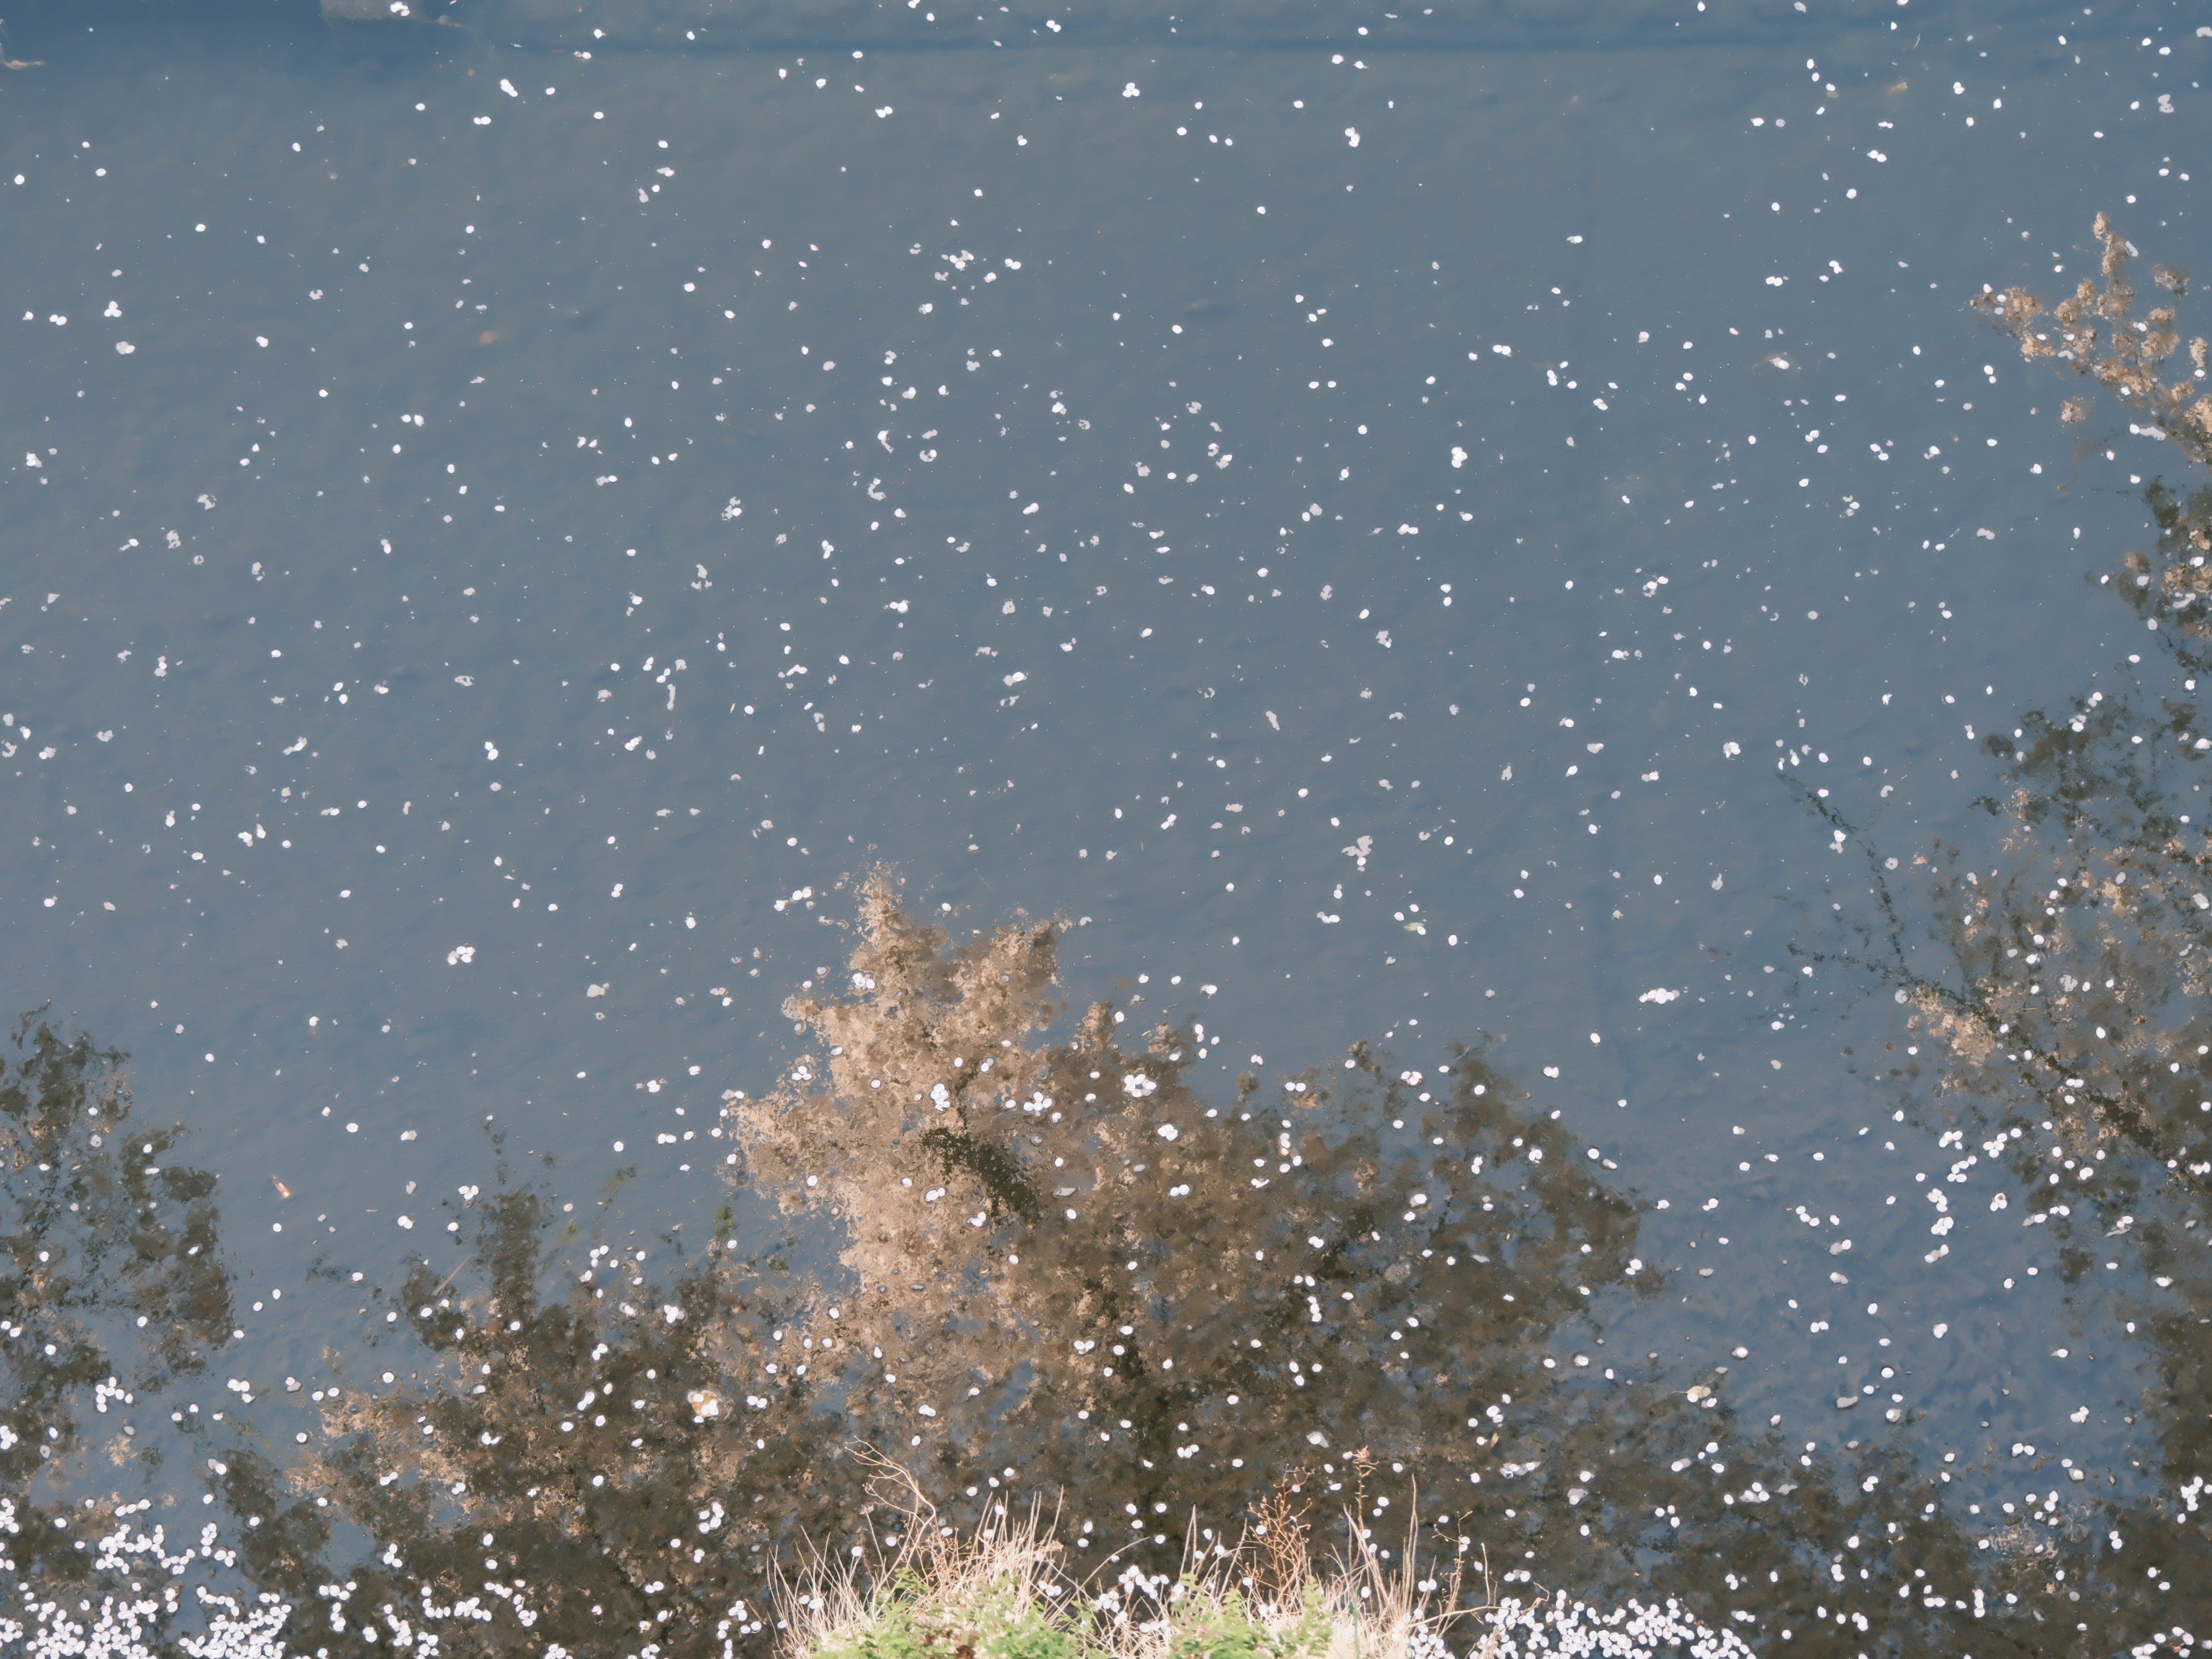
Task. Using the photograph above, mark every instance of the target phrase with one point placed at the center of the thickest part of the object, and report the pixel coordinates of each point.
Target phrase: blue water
(1384, 519)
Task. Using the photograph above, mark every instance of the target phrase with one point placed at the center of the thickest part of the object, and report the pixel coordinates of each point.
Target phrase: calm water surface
(1499, 540)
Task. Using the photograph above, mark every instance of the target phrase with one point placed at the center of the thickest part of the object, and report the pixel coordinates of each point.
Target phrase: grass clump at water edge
(1004, 1592)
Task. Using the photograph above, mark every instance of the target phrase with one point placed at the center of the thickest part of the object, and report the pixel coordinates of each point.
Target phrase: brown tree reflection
(114, 1285)
(2096, 331)
(2072, 1047)
(1370, 1289)
(2067, 1003)
(1173, 1304)
(1059, 1268)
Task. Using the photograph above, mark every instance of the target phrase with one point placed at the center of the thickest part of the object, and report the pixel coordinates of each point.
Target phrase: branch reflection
(115, 1287)
(1057, 1266)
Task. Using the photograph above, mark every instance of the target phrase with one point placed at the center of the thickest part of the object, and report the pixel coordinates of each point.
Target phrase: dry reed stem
(1005, 1588)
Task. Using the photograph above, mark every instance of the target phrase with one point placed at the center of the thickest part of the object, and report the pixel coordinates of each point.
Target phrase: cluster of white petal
(1572, 1630)
(129, 1607)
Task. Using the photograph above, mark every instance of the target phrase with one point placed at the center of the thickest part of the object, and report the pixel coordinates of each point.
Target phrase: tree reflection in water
(113, 1288)
(1023, 1264)
(1059, 1268)
(2068, 998)
(1024, 1254)
(1068, 1273)
(1020, 1263)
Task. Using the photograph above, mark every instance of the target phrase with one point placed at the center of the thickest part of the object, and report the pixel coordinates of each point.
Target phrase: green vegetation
(1002, 1593)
